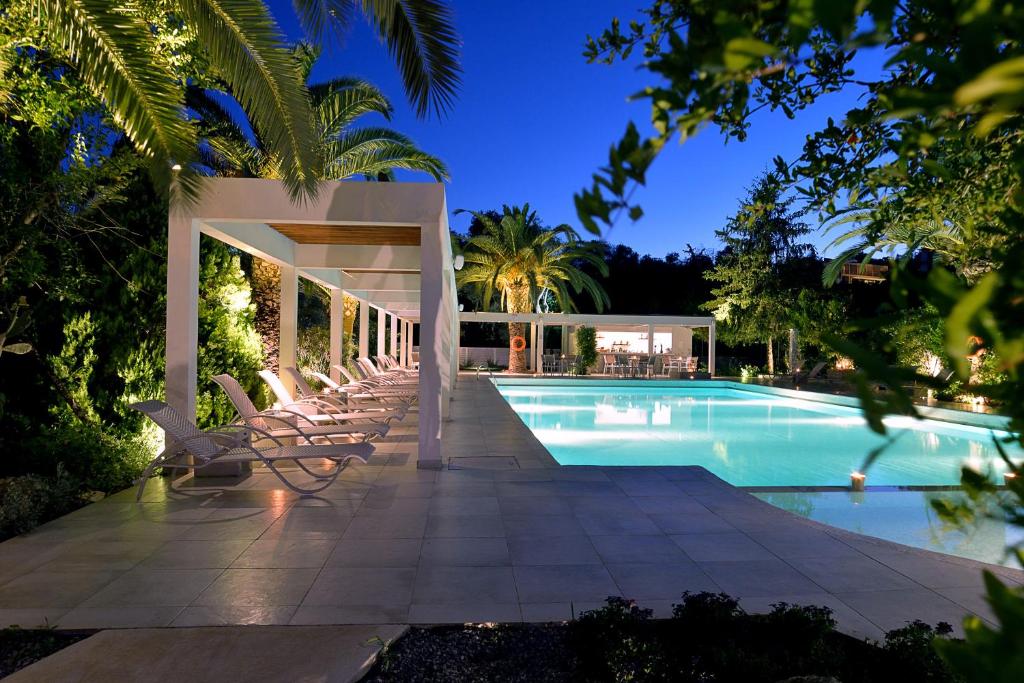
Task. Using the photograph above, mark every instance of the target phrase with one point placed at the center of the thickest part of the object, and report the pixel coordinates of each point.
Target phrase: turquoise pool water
(904, 517)
(746, 438)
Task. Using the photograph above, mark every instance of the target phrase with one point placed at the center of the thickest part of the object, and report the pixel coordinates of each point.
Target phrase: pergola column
(182, 313)
(337, 334)
(650, 341)
(435, 318)
(393, 349)
(288, 324)
(382, 325)
(364, 329)
(539, 354)
(711, 349)
(403, 358)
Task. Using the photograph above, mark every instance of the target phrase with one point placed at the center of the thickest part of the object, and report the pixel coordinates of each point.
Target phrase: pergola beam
(357, 257)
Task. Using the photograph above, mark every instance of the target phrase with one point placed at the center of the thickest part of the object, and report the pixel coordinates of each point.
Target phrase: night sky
(533, 121)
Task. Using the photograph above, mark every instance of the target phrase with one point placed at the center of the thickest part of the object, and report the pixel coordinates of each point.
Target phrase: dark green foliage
(586, 346)
(19, 647)
(28, 501)
(92, 457)
(708, 638)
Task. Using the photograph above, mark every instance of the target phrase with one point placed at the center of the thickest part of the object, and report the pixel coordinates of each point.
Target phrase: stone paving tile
(285, 552)
(587, 582)
(851, 574)
(805, 543)
(691, 523)
(464, 613)
(195, 554)
(257, 587)
(386, 526)
(895, 609)
(464, 505)
(154, 587)
(616, 504)
(666, 580)
(231, 615)
(100, 555)
(566, 550)
(756, 578)
(465, 526)
(721, 546)
(33, 617)
(464, 585)
(346, 586)
(533, 505)
(637, 549)
(350, 614)
(465, 552)
(611, 523)
(119, 617)
(44, 590)
(541, 526)
(392, 552)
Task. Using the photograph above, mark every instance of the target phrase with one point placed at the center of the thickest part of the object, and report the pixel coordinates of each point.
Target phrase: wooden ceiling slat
(383, 235)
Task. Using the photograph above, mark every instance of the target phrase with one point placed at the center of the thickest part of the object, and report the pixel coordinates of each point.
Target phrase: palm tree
(111, 45)
(341, 150)
(520, 259)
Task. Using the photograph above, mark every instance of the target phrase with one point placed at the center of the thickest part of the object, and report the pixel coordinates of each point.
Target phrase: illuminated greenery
(930, 158)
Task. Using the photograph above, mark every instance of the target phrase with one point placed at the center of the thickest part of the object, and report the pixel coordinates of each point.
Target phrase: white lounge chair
(354, 398)
(189, 447)
(294, 424)
(323, 409)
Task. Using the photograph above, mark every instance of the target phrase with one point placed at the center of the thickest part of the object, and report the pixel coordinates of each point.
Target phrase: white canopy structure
(386, 244)
(646, 327)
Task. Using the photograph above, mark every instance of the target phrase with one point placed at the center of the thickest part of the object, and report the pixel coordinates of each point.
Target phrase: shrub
(749, 371)
(30, 500)
(96, 460)
(586, 347)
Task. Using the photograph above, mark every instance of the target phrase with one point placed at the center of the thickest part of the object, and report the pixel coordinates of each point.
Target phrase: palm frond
(246, 44)
(340, 101)
(421, 37)
(112, 53)
(324, 21)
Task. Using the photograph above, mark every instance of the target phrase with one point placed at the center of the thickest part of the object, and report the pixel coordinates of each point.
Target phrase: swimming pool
(748, 438)
(905, 517)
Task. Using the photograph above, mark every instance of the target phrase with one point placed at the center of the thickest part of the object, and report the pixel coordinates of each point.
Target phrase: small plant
(586, 347)
(749, 371)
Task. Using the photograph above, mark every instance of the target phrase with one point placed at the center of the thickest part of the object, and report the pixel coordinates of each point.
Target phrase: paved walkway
(259, 654)
(503, 534)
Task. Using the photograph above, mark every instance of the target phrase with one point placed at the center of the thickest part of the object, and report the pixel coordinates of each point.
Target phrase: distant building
(855, 271)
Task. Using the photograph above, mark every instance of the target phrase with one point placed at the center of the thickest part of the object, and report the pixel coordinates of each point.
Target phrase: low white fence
(483, 354)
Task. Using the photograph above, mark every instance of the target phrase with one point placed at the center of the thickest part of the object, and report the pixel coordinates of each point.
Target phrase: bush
(586, 347)
(31, 500)
(94, 459)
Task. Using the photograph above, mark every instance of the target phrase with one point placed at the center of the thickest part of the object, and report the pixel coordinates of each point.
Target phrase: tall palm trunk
(266, 296)
(771, 356)
(518, 302)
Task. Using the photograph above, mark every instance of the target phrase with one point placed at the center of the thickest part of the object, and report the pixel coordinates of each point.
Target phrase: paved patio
(502, 534)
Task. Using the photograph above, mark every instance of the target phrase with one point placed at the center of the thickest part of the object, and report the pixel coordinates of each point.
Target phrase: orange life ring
(518, 343)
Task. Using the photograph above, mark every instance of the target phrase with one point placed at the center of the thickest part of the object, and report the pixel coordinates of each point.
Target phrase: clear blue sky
(533, 121)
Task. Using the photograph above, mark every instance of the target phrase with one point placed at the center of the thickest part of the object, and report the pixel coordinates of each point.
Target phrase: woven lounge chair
(294, 424)
(192, 448)
(325, 408)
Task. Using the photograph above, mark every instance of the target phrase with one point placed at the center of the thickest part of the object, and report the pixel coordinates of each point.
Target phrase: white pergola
(649, 323)
(387, 244)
